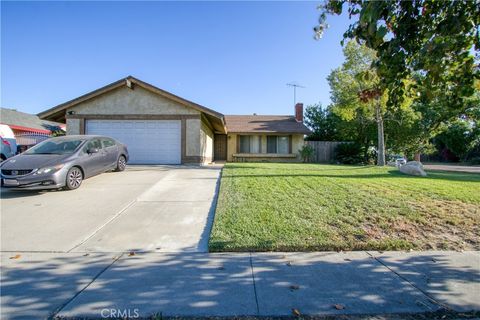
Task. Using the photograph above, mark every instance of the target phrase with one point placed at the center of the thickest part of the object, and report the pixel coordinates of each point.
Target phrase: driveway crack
(254, 285)
(104, 225)
(63, 305)
(426, 294)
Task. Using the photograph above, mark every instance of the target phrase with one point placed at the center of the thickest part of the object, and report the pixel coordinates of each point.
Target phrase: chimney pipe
(299, 112)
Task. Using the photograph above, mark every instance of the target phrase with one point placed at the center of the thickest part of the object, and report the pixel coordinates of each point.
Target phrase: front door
(220, 147)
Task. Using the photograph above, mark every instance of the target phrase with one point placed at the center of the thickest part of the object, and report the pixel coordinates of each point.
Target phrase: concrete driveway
(145, 208)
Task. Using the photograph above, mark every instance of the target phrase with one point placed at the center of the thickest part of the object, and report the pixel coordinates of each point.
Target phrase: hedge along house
(159, 127)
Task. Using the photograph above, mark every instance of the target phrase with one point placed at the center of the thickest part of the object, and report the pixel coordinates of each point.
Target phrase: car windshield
(55, 147)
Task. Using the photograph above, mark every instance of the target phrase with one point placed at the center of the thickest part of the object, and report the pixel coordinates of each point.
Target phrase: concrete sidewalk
(38, 285)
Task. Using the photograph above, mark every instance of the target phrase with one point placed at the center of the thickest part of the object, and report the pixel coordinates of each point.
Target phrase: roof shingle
(17, 118)
(264, 124)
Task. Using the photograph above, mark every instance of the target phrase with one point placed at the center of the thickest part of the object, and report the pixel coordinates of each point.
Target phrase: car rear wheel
(74, 178)
(121, 163)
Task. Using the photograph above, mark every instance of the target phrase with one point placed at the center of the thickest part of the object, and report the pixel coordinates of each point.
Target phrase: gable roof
(264, 124)
(23, 121)
(57, 113)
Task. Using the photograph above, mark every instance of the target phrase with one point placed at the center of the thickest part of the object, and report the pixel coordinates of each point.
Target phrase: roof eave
(63, 106)
(57, 110)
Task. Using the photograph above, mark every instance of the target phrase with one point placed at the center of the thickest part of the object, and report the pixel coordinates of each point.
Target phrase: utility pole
(295, 86)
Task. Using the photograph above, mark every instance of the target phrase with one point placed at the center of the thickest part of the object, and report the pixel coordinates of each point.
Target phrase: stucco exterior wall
(206, 143)
(192, 138)
(123, 101)
(231, 146)
(73, 126)
(198, 143)
(297, 142)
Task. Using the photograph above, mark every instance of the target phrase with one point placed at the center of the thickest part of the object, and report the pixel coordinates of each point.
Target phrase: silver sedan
(63, 162)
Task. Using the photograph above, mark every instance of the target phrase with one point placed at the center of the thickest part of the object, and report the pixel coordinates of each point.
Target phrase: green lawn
(294, 207)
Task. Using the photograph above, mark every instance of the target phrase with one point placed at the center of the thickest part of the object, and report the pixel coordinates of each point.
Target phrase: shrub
(475, 161)
(306, 152)
(349, 153)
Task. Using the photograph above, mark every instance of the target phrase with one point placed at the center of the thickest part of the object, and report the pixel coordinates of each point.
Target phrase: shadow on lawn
(189, 284)
(467, 177)
(299, 166)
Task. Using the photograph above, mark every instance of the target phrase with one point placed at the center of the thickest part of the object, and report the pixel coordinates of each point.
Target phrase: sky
(233, 57)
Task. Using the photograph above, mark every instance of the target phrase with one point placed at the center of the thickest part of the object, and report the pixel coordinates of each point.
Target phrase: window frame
(276, 137)
(249, 143)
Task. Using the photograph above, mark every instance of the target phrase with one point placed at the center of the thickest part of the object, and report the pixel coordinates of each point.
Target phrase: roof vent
(129, 83)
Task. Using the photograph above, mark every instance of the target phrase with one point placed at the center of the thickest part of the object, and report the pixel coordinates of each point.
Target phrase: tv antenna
(295, 86)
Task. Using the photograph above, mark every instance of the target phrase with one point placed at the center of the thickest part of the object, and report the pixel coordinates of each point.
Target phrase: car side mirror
(92, 150)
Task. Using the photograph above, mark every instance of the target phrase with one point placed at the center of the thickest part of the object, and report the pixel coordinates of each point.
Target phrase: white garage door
(148, 141)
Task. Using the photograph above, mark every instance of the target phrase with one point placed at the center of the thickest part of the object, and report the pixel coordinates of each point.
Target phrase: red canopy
(14, 127)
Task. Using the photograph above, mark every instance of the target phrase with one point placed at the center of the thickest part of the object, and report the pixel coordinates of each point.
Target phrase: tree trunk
(381, 136)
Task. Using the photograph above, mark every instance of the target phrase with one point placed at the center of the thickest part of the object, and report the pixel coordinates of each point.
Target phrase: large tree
(355, 91)
(429, 115)
(328, 126)
(439, 39)
(427, 47)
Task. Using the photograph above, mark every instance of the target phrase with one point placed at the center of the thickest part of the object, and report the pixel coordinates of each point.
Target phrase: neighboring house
(159, 127)
(28, 129)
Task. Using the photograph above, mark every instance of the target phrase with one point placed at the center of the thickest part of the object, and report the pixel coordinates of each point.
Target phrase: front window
(278, 144)
(55, 147)
(249, 144)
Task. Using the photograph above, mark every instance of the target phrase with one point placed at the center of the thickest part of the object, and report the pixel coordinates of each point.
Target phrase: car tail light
(6, 142)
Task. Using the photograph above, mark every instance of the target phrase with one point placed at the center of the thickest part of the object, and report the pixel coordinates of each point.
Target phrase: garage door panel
(148, 141)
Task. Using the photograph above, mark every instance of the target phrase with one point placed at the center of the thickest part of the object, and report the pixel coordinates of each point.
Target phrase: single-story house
(28, 129)
(159, 127)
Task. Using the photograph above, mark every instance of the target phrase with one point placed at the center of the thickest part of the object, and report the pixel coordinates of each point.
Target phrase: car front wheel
(121, 163)
(74, 178)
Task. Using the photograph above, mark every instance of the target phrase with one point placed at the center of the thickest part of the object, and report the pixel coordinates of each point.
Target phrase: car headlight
(49, 169)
